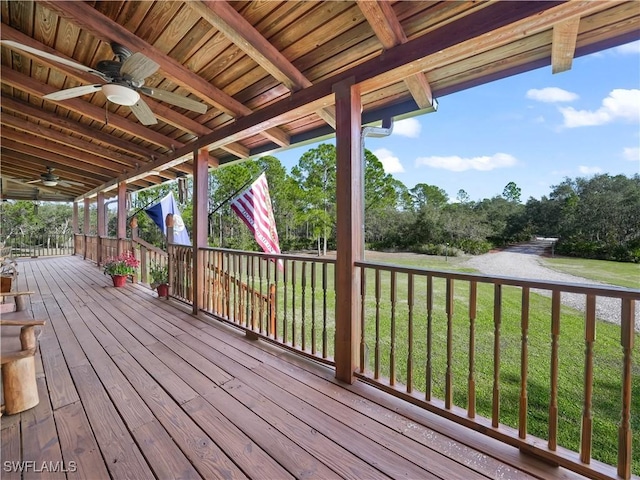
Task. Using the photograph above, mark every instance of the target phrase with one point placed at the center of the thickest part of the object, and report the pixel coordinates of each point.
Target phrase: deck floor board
(134, 386)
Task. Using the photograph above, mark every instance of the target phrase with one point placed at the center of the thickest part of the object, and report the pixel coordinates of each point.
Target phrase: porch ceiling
(265, 71)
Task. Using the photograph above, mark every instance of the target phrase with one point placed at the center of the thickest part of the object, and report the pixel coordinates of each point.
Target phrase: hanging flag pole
(226, 200)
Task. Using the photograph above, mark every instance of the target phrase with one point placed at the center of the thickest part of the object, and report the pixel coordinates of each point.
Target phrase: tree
(431, 195)
(512, 192)
(316, 175)
(463, 197)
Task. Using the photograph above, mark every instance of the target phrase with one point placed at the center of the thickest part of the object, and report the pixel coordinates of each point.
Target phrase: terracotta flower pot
(163, 290)
(119, 280)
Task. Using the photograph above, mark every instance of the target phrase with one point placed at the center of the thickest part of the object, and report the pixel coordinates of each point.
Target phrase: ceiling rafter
(85, 16)
(386, 26)
(246, 37)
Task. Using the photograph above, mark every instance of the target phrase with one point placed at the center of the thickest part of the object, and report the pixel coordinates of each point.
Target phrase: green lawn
(622, 274)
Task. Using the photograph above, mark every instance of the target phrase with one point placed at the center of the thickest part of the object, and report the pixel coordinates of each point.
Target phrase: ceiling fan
(48, 179)
(124, 79)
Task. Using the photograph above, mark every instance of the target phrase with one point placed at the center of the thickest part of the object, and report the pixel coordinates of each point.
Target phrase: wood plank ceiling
(264, 69)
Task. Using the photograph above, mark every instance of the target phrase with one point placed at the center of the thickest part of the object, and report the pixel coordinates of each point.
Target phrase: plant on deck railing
(124, 264)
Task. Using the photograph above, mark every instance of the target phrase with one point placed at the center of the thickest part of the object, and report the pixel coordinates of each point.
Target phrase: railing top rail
(148, 246)
(600, 290)
(272, 255)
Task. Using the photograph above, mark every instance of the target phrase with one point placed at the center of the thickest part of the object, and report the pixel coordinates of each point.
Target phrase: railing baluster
(268, 326)
(587, 420)
(497, 320)
(363, 318)
(555, 335)
(293, 303)
(303, 304)
(313, 308)
(627, 333)
(261, 266)
(410, 301)
(324, 310)
(448, 388)
(377, 351)
(285, 275)
(473, 307)
(392, 359)
(524, 363)
(429, 366)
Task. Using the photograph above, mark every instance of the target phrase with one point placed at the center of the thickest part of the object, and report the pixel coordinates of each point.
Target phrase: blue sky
(534, 129)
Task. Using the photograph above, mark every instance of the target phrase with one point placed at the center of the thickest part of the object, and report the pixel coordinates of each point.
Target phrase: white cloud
(551, 95)
(632, 154)
(628, 48)
(409, 127)
(459, 164)
(390, 162)
(620, 104)
(589, 170)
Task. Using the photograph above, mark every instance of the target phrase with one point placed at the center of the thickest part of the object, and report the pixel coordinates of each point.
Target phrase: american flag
(253, 206)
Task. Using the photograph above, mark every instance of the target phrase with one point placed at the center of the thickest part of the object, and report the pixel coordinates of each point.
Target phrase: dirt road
(524, 261)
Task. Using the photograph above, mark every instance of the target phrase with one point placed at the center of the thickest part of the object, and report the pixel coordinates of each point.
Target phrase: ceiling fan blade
(69, 183)
(175, 99)
(33, 181)
(55, 58)
(143, 113)
(138, 67)
(73, 92)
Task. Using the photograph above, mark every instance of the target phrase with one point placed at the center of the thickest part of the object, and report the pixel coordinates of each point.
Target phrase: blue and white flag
(158, 213)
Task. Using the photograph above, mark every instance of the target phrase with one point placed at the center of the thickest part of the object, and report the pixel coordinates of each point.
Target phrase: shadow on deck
(132, 386)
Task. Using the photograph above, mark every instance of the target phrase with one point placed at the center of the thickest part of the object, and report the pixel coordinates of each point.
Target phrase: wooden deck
(132, 386)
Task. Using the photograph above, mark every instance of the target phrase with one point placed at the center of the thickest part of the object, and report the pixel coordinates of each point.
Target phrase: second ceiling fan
(125, 78)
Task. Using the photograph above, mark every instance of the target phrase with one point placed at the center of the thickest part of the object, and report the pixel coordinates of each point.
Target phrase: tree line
(597, 217)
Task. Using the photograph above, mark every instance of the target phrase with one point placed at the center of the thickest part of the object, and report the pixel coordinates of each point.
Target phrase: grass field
(621, 274)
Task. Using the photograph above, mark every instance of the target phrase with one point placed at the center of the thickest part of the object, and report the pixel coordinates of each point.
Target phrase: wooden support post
(200, 224)
(121, 228)
(171, 258)
(134, 235)
(349, 234)
(100, 228)
(75, 227)
(86, 228)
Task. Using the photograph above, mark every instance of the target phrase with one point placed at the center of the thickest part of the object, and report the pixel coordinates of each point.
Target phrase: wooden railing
(290, 302)
(181, 272)
(148, 254)
(39, 245)
(461, 345)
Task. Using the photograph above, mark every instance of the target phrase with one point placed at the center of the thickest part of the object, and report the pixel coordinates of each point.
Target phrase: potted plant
(121, 267)
(160, 278)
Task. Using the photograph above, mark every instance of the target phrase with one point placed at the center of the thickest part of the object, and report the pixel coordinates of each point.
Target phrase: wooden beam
(236, 28)
(84, 147)
(200, 224)
(563, 46)
(386, 26)
(25, 108)
(349, 224)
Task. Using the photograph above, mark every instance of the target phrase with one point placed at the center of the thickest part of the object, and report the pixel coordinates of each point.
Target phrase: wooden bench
(19, 341)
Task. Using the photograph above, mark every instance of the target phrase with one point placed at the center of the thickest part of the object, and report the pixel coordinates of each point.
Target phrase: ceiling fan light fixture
(120, 94)
(49, 183)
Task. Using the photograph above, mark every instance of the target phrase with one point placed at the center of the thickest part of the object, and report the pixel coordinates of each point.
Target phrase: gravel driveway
(523, 261)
